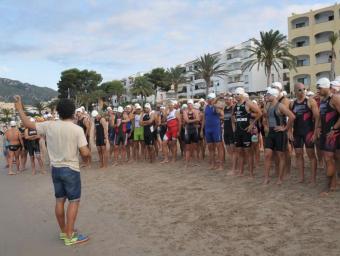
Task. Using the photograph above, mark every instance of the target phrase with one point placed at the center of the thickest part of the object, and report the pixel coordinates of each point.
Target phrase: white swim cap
(184, 106)
(191, 101)
(240, 91)
(211, 95)
(273, 92)
(94, 113)
(197, 106)
(323, 83)
(147, 105)
(277, 85)
(13, 124)
(120, 109)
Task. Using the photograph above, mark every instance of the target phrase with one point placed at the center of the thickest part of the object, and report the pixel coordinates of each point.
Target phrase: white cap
(323, 83)
(32, 119)
(147, 105)
(310, 93)
(94, 113)
(120, 109)
(175, 102)
(49, 115)
(79, 110)
(277, 85)
(109, 109)
(137, 106)
(211, 95)
(273, 91)
(201, 100)
(128, 106)
(191, 101)
(162, 107)
(284, 93)
(184, 106)
(254, 101)
(335, 83)
(115, 109)
(239, 90)
(13, 123)
(246, 95)
(197, 106)
(45, 116)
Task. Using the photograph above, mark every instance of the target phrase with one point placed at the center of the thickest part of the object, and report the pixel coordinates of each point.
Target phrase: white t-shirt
(64, 138)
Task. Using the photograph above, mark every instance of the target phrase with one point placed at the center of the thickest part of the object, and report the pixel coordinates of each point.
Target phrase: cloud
(124, 37)
(4, 69)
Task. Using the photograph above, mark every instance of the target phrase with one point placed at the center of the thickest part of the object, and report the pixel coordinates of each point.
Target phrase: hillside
(29, 93)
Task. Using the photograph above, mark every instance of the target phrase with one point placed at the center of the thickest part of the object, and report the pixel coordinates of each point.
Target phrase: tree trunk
(332, 76)
(207, 82)
(269, 76)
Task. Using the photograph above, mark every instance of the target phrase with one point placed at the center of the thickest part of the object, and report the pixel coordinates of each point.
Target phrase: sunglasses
(300, 90)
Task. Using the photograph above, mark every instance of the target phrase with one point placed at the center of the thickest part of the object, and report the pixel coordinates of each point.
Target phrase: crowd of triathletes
(231, 126)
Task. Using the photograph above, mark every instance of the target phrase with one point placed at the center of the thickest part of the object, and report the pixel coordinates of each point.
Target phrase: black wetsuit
(228, 133)
(328, 116)
(303, 124)
(148, 131)
(242, 121)
(190, 133)
(33, 146)
(100, 138)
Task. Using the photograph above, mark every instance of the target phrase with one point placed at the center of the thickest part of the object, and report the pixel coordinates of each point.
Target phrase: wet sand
(153, 209)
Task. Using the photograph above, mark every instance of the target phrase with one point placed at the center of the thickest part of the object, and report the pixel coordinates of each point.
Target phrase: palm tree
(176, 77)
(333, 38)
(272, 50)
(52, 105)
(209, 66)
(39, 107)
(7, 113)
(143, 87)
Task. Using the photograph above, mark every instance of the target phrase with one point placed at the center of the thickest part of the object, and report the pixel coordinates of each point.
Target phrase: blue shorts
(66, 183)
(213, 136)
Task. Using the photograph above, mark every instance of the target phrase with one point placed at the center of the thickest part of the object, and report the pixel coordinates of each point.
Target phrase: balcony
(234, 60)
(300, 22)
(325, 16)
(322, 74)
(302, 60)
(323, 57)
(300, 41)
(235, 72)
(322, 37)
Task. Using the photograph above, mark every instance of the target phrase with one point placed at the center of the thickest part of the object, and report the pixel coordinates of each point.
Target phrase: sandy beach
(143, 209)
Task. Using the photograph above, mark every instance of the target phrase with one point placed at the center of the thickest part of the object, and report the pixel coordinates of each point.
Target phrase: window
(300, 44)
(330, 17)
(273, 77)
(300, 63)
(218, 83)
(246, 79)
(190, 68)
(300, 25)
(229, 56)
(301, 80)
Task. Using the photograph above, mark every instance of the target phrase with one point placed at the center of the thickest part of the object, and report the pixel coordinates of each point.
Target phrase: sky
(41, 38)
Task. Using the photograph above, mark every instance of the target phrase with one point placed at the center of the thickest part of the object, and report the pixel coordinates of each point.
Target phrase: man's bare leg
(165, 151)
(10, 163)
(71, 215)
(268, 154)
(211, 148)
(300, 163)
(249, 155)
(314, 163)
(60, 213)
(331, 177)
(282, 157)
(221, 155)
(33, 165)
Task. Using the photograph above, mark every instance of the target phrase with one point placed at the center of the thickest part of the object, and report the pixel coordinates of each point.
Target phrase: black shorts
(191, 136)
(242, 139)
(100, 142)
(121, 139)
(162, 131)
(149, 138)
(182, 134)
(327, 144)
(14, 147)
(301, 140)
(276, 141)
(33, 147)
(229, 138)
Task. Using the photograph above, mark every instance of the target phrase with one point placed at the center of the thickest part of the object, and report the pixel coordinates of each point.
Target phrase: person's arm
(20, 139)
(179, 121)
(255, 112)
(185, 117)
(316, 115)
(125, 118)
(20, 108)
(335, 102)
(87, 126)
(106, 133)
(291, 117)
(203, 124)
(150, 121)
